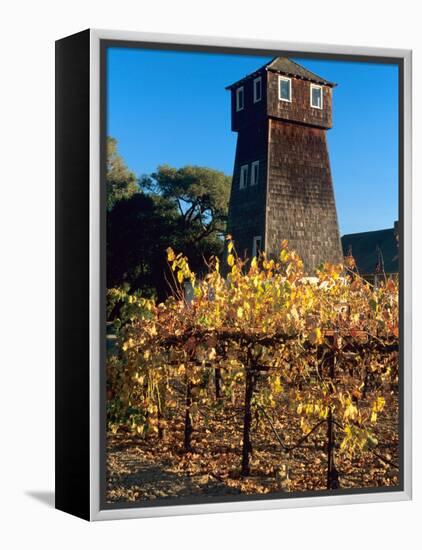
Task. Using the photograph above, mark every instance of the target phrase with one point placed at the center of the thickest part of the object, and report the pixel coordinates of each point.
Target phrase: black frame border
(72, 291)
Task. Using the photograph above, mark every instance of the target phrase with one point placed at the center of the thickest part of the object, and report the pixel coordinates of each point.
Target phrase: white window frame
(316, 87)
(243, 178)
(255, 87)
(289, 80)
(253, 180)
(255, 248)
(240, 92)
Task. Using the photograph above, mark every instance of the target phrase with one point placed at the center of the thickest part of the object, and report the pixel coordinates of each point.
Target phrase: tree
(121, 182)
(201, 195)
(185, 208)
(139, 229)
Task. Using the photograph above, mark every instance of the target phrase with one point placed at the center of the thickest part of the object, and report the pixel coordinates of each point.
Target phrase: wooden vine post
(217, 382)
(250, 373)
(161, 403)
(332, 473)
(247, 421)
(187, 446)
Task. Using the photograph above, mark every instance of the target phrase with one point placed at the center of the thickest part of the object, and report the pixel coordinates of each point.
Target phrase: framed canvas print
(233, 274)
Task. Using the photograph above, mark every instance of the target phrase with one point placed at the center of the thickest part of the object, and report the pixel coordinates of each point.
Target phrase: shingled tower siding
(247, 206)
(294, 198)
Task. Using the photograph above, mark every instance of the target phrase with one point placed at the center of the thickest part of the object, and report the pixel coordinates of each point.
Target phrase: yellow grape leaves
(170, 255)
(321, 345)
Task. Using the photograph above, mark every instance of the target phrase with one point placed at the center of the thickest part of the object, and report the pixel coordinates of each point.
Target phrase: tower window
(255, 173)
(284, 88)
(244, 169)
(316, 96)
(240, 98)
(256, 246)
(257, 89)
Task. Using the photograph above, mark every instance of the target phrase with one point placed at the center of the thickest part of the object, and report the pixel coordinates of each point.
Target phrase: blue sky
(172, 108)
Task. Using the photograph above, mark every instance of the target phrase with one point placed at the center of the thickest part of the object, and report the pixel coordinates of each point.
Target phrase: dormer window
(284, 88)
(316, 96)
(240, 99)
(257, 89)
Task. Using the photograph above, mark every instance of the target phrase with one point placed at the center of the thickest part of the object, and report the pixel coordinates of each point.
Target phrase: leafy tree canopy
(201, 195)
(121, 182)
(185, 208)
(138, 230)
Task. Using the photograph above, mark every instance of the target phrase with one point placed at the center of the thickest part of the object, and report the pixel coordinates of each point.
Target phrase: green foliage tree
(185, 208)
(138, 232)
(201, 195)
(121, 182)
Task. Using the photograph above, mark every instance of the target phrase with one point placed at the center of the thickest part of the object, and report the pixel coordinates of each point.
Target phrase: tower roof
(286, 66)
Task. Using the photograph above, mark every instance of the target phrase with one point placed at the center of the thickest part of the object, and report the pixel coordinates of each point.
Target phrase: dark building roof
(283, 65)
(286, 66)
(368, 247)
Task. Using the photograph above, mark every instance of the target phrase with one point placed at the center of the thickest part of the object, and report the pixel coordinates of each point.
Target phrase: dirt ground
(141, 469)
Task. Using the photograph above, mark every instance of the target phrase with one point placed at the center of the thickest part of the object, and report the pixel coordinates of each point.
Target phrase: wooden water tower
(282, 186)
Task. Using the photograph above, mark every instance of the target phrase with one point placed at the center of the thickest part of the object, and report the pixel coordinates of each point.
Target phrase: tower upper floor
(284, 90)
